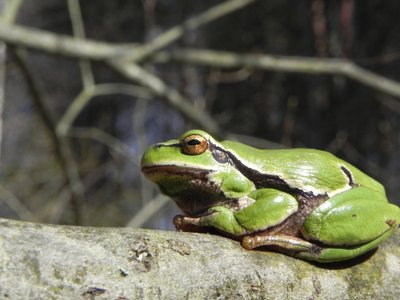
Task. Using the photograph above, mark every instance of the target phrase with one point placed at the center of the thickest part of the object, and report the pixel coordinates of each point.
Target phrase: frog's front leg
(270, 207)
(218, 217)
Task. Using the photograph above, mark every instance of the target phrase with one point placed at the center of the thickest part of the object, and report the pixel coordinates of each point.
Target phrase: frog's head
(195, 171)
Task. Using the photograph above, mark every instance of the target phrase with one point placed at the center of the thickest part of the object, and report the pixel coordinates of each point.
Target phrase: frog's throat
(197, 194)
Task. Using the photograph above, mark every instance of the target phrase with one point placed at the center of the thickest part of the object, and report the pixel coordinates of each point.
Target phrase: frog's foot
(189, 224)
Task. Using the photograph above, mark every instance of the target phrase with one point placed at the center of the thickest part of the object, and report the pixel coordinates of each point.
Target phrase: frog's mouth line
(150, 171)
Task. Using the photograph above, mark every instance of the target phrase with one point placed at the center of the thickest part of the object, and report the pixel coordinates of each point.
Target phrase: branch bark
(40, 261)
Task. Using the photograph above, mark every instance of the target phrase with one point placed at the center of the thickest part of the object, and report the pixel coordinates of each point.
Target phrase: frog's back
(314, 170)
(327, 168)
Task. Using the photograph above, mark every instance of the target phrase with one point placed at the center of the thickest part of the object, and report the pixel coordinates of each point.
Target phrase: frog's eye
(194, 144)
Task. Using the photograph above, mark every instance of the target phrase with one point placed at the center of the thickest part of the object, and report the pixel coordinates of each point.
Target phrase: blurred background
(78, 112)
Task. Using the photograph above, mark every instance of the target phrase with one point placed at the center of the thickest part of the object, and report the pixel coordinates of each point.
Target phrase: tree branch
(135, 73)
(60, 44)
(88, 93)
(79, 32)
(8, 15)
(64, 45)
(306, 65)
(40, 261)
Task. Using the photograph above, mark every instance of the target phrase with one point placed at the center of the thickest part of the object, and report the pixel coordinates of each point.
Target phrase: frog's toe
(250, 242)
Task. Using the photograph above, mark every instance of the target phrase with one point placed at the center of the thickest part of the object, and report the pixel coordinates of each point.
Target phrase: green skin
(303, 202)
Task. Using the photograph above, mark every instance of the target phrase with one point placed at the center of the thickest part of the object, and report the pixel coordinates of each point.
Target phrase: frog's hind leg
(288, 244)
(305, 250)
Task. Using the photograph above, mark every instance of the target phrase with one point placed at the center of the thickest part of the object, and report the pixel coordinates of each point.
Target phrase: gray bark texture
(40, 261)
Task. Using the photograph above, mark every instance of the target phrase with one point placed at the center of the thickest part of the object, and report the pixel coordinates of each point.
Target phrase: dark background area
(330, 112)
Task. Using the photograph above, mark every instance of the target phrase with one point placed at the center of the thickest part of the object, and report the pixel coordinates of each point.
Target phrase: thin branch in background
(62, 147)
(147, 211)
(104, 138)
(9, 15)
(2, 93)
(16, 205)
(173, 97)
(11, 11)
(79, 32)
(60, 44)
(55, 211)
(140, 108)
(138, 120)
(305, 65)
(88, 93)
(176, 32)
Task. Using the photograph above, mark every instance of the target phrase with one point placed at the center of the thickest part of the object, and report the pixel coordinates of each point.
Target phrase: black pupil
(193, 142)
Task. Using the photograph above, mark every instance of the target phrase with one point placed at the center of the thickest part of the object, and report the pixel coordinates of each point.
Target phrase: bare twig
(11, 11)
(8, 15)
(173, 97)
(60, 44)
(16, 205)
(79, 31)
(89, 93)
(138, 119)
(104, 138)
(329, 66)
(147, 211)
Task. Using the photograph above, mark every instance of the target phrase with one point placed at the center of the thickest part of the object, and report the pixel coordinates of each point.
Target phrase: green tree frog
(303, 202)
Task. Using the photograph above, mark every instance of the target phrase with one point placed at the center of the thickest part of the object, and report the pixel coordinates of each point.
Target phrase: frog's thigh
(350, 218)
(340, 254)
(270, 208)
